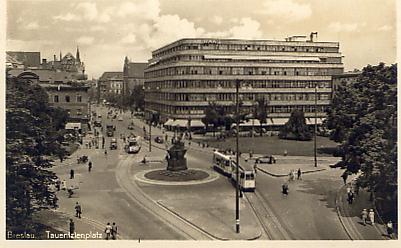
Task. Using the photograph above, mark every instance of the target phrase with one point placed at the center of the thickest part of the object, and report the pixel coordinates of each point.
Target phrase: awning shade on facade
(73, 125)
(279, 121)
(168, 122)
(311, 121)
(197, 123)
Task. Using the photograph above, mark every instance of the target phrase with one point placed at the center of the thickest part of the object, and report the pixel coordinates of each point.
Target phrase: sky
(108, 30)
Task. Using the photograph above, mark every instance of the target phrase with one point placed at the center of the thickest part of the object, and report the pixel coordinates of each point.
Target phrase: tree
(261, 112)
(296, 128)
(363, 120)
(32, 129)
(137, 97)
(211, 116)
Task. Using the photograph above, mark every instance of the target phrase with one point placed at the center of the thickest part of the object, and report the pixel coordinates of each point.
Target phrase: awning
(197, 123)
(180, 123)
(311, 121)
(168, 122)
(73, 125)
(279, 121)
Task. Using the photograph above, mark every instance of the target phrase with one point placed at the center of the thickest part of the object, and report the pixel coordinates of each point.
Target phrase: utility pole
(237, 220)
(314, 141)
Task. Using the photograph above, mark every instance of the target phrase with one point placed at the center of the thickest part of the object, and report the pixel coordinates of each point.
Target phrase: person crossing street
(78, 210)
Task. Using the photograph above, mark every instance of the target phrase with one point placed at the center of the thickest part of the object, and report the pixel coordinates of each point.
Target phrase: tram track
(271, 225)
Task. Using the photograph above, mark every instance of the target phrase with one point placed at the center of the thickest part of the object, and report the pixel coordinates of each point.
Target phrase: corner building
(183, 77)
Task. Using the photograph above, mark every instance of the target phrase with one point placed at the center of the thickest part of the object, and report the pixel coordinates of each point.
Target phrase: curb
(285, 175)
(203, 230)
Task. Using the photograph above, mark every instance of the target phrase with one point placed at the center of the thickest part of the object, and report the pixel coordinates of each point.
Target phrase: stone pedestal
(176, 160)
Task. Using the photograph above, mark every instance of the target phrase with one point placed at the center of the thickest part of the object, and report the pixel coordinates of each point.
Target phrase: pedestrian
(250, 153)
(90, 166)
(299, 173)
(285, 152)
(63, 185)
(114, 231)
(71, 174)
(285, 189)
(105, 152)
(107, 230)
(390, 229)
(58, 184)
(372, 217)
(291, 176)
(348, 189)
(72, 226)
(350, 197)
(78, 210)
(255, 167)
(364, 216)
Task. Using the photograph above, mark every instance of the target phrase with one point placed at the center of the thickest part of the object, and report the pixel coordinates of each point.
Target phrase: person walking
(72, 226)
(114, 231)
(90, 166)
(284, 188)
(390, 229)
(58, 184)
(345, 176)
(105, 152)
(63, 185)
(78, 210)
(107, 230)
(364, 216)
(71, 174)
(372, 217)
(350, 197)
(299, 173)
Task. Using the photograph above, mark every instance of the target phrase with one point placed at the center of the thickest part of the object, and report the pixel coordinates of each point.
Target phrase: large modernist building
(184, 77)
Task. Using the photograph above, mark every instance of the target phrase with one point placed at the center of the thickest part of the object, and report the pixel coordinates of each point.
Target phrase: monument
(176, 160)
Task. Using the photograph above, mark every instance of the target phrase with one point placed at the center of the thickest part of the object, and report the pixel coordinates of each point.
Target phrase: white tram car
(226, 164)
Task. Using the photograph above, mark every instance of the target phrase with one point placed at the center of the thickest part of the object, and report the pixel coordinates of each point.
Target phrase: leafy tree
(363, 119)
(211, 116)
(31, 138)
(261, 112)
(296, 128)
(137, 97)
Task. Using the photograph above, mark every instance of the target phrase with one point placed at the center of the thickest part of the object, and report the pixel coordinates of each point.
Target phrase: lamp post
(237, 220)
(314, 138)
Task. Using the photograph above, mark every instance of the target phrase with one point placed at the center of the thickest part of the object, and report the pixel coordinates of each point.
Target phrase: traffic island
(177, 176)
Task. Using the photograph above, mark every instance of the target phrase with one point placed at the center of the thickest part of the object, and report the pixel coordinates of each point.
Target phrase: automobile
(97, 124)
(110, 130)
(99, 116)
(120, 118)
(131, 126)
(267, 159)
(113, 144)
(159, 139)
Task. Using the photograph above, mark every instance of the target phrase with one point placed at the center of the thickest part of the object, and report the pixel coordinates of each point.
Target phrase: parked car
(113, 144)
(159, 139)
(97, 124)
(268, 159)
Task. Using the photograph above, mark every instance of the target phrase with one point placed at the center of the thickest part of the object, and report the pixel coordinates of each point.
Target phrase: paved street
(110, 193)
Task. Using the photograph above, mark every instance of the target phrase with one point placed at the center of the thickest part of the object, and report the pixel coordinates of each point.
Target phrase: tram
(226, 164)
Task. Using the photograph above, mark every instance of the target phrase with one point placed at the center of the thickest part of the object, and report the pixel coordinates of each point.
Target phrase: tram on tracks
(225, 163)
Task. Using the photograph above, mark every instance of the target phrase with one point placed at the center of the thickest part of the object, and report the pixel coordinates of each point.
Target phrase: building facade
(74, 98)
(184, 77)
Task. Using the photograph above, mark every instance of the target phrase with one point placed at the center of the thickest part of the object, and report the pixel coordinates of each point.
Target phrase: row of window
(198, 58)
(67, 98)
(221, 70)
(246, 47)
(270, 109)
(179, 84)
(231, 97)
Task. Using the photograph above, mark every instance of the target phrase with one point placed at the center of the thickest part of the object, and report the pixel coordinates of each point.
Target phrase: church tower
(77, 56)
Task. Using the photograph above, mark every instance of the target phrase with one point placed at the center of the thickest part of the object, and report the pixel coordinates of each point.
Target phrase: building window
(67, 99)
(79, 98)
(55, 98)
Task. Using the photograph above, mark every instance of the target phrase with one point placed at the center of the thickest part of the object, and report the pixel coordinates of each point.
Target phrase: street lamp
(237, 220)
(314, 141)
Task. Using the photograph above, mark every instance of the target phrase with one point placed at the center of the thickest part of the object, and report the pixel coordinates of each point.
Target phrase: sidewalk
(349, 215)
(60, 222)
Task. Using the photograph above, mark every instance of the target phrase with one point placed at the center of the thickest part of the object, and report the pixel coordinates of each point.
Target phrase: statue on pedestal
(176, 160)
